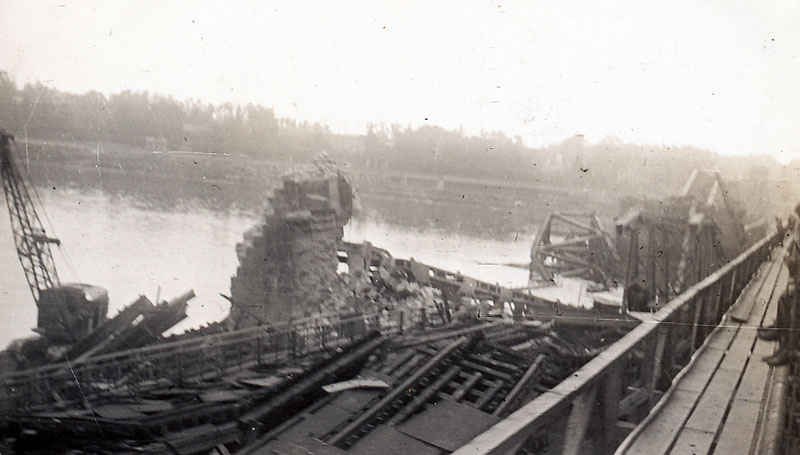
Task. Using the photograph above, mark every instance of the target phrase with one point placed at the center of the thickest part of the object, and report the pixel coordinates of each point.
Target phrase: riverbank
(170, 180)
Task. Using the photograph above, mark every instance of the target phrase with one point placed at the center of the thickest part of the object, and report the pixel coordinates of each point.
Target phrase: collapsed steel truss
(660, 248)
(574, 245)
(664, 255)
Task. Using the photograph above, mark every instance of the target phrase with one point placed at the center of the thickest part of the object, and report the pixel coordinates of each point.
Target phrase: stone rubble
(288, 262)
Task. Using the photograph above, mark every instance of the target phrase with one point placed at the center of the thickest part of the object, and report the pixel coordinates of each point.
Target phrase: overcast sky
(721, 74)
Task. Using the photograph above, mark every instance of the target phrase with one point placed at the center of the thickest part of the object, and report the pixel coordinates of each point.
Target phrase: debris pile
(136, 325)
(289, 262)
(377, 283)
(434, 391)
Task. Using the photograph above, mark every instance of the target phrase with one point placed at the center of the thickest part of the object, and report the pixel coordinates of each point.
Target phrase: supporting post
(611, 393)
(723, 289)
(793, 322)
(714, 293)
(697, 304)
(578, 422)
(665, 247)
(635, 258)
(698, 258)
(651, 252)
(741, 280)
(631, 267)
(655, 373)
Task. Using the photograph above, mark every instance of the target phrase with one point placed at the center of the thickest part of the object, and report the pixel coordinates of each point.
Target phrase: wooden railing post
(731, 297)
(697, 307)
(713, 303)
(578, 421)
(707, 321)
(683, 331)
(611, 393)
(665, 248)
(750, 270)
(723, 289)
(654, 374)
(651, 269)
(794, 324)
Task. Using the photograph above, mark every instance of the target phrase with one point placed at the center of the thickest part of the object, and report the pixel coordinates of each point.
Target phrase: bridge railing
(199, 357)
(616, 389)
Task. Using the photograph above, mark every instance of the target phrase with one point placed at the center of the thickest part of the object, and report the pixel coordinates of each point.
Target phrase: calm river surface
(130, 248)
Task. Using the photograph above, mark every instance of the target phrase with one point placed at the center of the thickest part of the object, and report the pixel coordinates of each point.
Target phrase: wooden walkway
(717, 405)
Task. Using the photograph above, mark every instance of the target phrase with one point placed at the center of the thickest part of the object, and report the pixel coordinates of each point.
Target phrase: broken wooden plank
(485, 370)
(466, 386)
(522, 386)
(487, 396)
(495, 364)
(151, 406)
(117, 411)
(222, 396)
(425, 395)
(397, 391)
(269, 381)
(362, 383)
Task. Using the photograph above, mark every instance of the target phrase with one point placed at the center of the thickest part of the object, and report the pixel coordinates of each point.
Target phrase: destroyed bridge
(397, 373)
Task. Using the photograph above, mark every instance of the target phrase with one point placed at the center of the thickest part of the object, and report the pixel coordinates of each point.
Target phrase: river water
(132, 248)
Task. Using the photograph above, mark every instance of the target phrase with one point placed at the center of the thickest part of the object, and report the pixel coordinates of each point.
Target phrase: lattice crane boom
(30, 237)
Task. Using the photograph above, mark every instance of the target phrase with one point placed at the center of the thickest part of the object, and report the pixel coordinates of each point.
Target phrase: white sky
(718, 74)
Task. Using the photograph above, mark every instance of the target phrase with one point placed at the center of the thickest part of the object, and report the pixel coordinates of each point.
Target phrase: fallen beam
(396, 392)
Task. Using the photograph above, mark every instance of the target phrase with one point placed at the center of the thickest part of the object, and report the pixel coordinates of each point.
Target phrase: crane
(66, 312)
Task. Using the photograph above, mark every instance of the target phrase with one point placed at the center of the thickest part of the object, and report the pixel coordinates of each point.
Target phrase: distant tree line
(142, 119)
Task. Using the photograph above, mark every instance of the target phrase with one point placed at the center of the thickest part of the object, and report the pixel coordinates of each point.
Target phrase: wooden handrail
(513, 431)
